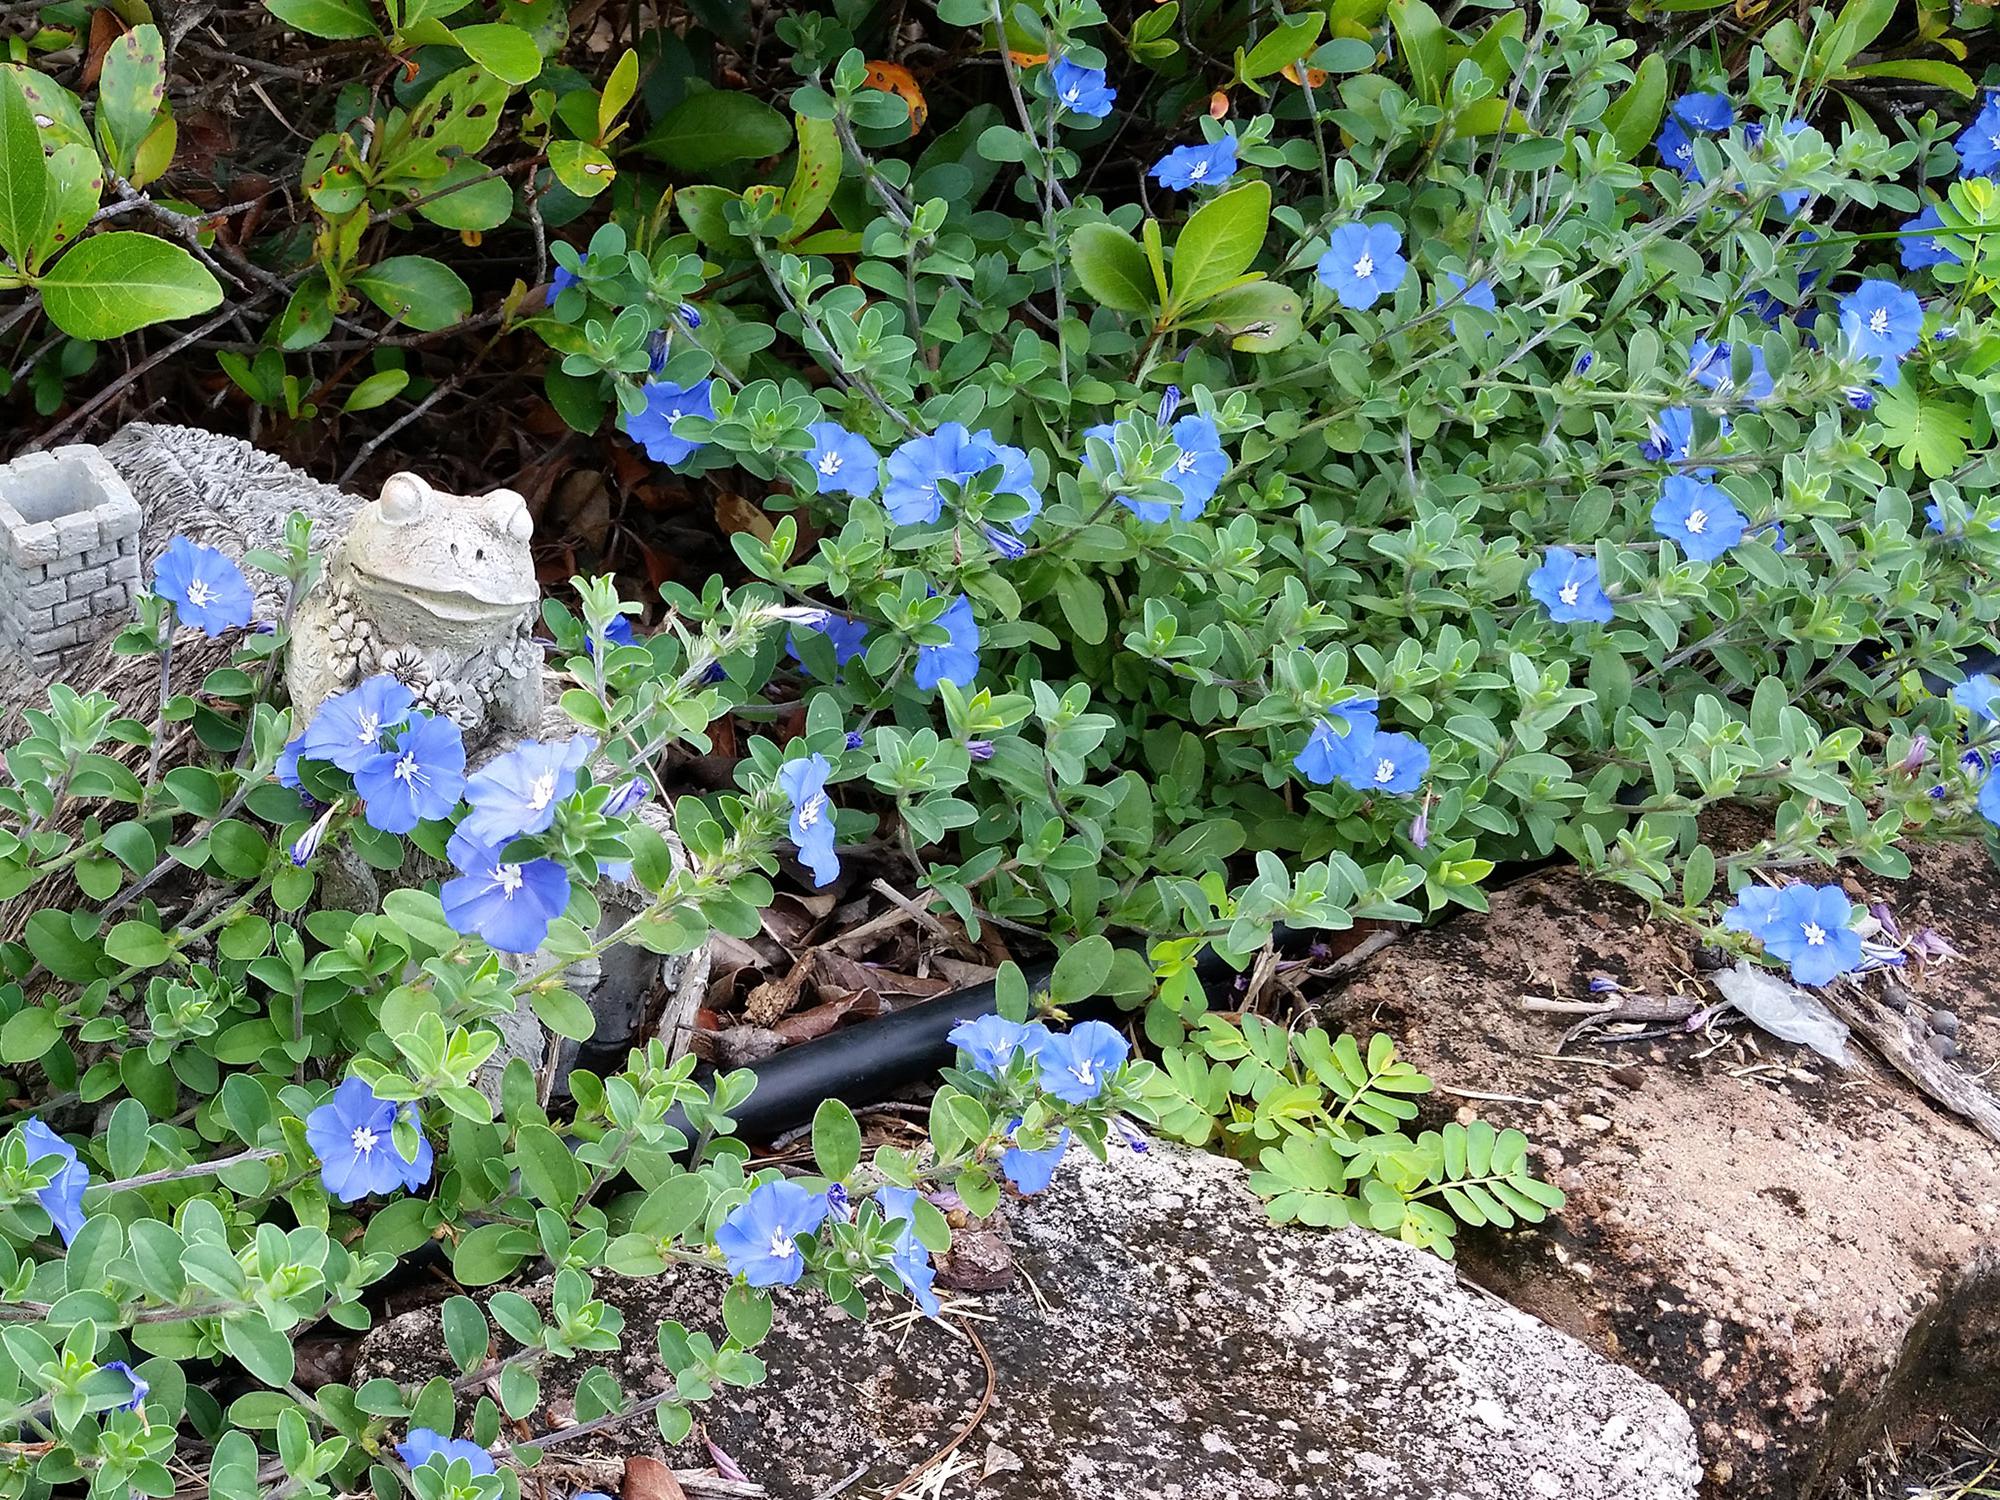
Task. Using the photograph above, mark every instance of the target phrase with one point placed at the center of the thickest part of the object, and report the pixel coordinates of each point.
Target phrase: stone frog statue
(438, 590)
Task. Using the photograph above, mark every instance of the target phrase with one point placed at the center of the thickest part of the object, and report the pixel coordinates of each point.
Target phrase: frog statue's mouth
(458, 605)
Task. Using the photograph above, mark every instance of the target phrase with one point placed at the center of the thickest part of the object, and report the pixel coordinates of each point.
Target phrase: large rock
(1804, 1256)
(1180, 1348)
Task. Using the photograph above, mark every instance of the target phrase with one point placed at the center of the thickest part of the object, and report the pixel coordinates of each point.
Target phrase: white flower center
(1084, 1072)
(200, 595)
(371, 728)
(1697, 522)
(811, 809)
(542, 791)
(1072, 93)
(1568, 592)
(782, 1244)
(1365, 267)
(1186, 461)
(1993, 141)
(673, 414)
(1878, 320)
(829, 463)
(1815, 934)
(1198, 171)
(1683, 152)
(408, 772)
(1385, 772)
(364, 1139)
(508, 878)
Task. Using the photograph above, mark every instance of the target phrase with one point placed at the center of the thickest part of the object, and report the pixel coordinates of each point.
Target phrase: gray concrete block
(89, 581)
(44, 595)
(62, 567)
(71, 610)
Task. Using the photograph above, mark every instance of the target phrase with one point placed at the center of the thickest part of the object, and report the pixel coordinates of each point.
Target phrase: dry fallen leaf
(649, 1479)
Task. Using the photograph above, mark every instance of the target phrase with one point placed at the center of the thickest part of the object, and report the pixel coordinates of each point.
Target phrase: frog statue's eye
(508, 513)
(405, 498)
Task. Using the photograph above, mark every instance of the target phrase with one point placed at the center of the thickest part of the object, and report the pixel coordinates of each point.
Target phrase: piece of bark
(1903, 1041)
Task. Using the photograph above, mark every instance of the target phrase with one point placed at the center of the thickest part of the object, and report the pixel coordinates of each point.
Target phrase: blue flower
(424, 1445)
(1979, 143)
(617, 633)
(957, 661)
(1031, 1171)
(1566, 584)
(1976, 696)
(509, 905)
(989, 1042)
(1199, 465)
(1479, 295)
(1705, 111)
(1935, 512)
(62, 1199)
(1709, 364)
(563, 280)
(1917, 249)
(1081, 90)
(1197, 166)
(140, 1387)
(206, 589)
(666, 403)
(848, 637)
(1363, 263)
(1698, 516)
(1677, 151)
(1671, 437)
(914, 469)
(760, 1237)
(1392, 764)
(627, 798)
(423, 777)
(1755, 911)
(353, 1135)
(842, 461)
(1809, 932)
(854, 739)
(1881, 322)
(909, 1260)
(1989, 799)
(804, 782)
(347, 731)
(1075, 1064)
(519, 792)
(1330, 749)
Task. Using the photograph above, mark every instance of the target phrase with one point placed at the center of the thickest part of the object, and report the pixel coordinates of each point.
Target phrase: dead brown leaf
(649, 1479)
(809, 1025)
(733, 513)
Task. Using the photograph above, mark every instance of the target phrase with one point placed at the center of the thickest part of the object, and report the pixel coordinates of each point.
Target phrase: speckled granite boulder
(1186, 1351)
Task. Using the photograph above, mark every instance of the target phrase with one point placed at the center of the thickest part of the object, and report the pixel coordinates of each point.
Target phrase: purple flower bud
(689, 315)
(1928, 942)
(1009, 546)
(1584, 361)
(1881, 912)
(1974, 762)
(306, 845)
(1937, 793)
(626, 798)
(1604, 984)
(1420, 827)
(656, 352)
(979, 749)
(1859, 397)
(837, 1201)
(854, 739)
(1916, 755)
(714, 673)
(1170, 402)
(1131, 1135)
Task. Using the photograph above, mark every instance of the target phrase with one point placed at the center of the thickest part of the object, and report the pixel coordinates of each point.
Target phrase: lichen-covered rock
(1809, 1258)
(1165, 1343)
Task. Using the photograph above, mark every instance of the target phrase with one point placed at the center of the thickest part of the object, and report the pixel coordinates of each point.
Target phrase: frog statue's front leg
(330, 643)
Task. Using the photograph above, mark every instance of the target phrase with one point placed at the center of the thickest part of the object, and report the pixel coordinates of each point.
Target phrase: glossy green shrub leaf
(420, 292)
(116, 283)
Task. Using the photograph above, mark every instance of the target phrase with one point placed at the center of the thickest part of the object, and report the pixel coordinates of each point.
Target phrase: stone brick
(28, 544)
(87, 582)
(44, 595)
(62, 567)
(76, 533)
(71, 610)
(109, 602)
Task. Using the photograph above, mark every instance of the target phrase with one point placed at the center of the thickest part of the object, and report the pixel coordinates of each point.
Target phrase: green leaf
(1932, 433)
(548, 1168)
(114, 284)
(836, 1140)
(420, 292)
(466, 1336)
(1425, 45)
(1112, 267)
(474, 201)
(1937, 73)
(507, 52)
(564, 1014)
(1218, 243)
(262, 1350)
(491, 1253)
(618, 92)
(1858, 24)
(378, 389)
(1633, 118)
(139, 945)
(28, 1034)
(746, 1313)
(130, 94)
(1280, 48)
(815, 176)
(24, 178)
(1260, 316)
(1082, 969)
(336, 20)
(584, 169)
(709, 129)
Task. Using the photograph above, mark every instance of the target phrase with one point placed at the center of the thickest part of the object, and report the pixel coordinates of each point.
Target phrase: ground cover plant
(1217, 468)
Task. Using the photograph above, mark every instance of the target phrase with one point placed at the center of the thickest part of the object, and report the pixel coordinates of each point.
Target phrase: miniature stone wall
(69, 555)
